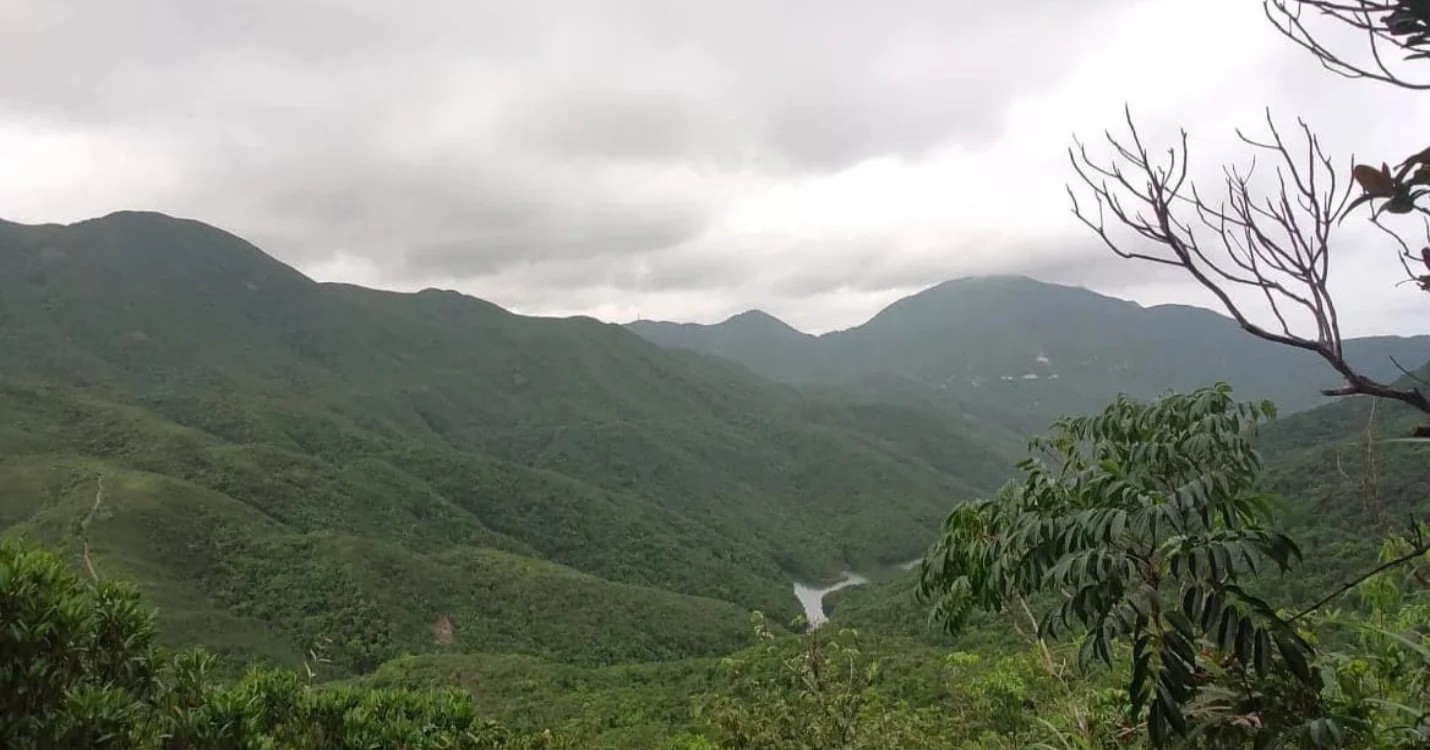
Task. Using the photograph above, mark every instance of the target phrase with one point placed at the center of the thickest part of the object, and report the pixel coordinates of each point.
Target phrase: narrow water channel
(811, 598)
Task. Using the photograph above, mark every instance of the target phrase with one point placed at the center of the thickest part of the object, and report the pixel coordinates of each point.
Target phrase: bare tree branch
(1418, 548)
(1391, 29)
(1277, 246)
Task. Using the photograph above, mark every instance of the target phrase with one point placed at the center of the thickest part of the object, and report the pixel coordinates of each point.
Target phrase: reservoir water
(811, 598)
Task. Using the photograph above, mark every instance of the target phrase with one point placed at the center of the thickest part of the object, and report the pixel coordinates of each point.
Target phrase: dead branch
(1393, 30)
(1277, 246)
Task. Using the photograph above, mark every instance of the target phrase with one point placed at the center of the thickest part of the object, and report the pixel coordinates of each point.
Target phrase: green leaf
(1295, 658)
(1183, 625)
(1244, 636)
(1226, 631)
(1417, 647)
(1261, 652)
(1211, 607)
(1141, 668)
(1192, 602)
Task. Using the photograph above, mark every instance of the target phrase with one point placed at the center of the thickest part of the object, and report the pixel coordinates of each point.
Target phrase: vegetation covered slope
(1036, 350)
(277, 453)
(1348, 474)
(1338, 493)
(80, 653)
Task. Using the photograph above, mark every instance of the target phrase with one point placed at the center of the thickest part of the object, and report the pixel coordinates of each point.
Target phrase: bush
(80, 670)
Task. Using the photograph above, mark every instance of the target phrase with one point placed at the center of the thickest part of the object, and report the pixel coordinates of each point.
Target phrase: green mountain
(287, 463)
(1032, 349)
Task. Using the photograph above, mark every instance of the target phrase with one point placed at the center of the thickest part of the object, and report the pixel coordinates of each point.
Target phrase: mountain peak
(135, 215)
(1051, 348)
(166, 257)
(989, 278)
(953, 301)
(151, 221)
(1006, 282)
(756, 318)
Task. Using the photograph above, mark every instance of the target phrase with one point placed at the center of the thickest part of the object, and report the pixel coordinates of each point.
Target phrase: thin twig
(1277, 246)
(1366, 16)
(1408, 373)
(1418, 551)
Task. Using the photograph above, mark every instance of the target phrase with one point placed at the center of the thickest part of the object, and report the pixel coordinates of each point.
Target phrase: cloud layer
(675, 160)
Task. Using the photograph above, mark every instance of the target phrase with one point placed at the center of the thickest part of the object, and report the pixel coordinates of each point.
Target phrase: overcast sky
(679, 160)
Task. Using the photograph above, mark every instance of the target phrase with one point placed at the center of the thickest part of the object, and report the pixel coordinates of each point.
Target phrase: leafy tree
(77, 658)
(1149, 521)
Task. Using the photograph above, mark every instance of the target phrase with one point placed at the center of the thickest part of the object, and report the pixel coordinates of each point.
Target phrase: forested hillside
(275, 453)
(246, 507)
(995, 684)
(1034, 350)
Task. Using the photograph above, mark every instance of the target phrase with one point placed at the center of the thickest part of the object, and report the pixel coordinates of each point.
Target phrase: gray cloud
(286, 109)
(606, 154)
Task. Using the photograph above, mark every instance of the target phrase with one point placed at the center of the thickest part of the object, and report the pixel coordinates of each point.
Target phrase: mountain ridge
(760, 315)
(1015, 336)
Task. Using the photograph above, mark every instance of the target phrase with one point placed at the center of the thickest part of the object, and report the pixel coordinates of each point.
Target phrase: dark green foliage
(1350, 477)
(81, 672)
(75, 657)
(850, 690)
(821, 696)
(1149, 518)
(276, 709)
(618, 707)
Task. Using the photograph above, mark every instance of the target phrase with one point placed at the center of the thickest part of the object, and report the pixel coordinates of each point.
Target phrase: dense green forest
(266, 456)
(387, 578)
(243, 509)
(82, 649)
(240, 508)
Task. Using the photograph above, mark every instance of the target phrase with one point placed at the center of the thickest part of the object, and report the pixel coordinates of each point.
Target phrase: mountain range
(280, 460)
(287, 466)
(1035, 349)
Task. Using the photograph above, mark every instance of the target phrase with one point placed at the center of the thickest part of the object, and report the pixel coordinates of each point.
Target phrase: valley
(332, 438)
(417, 490)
